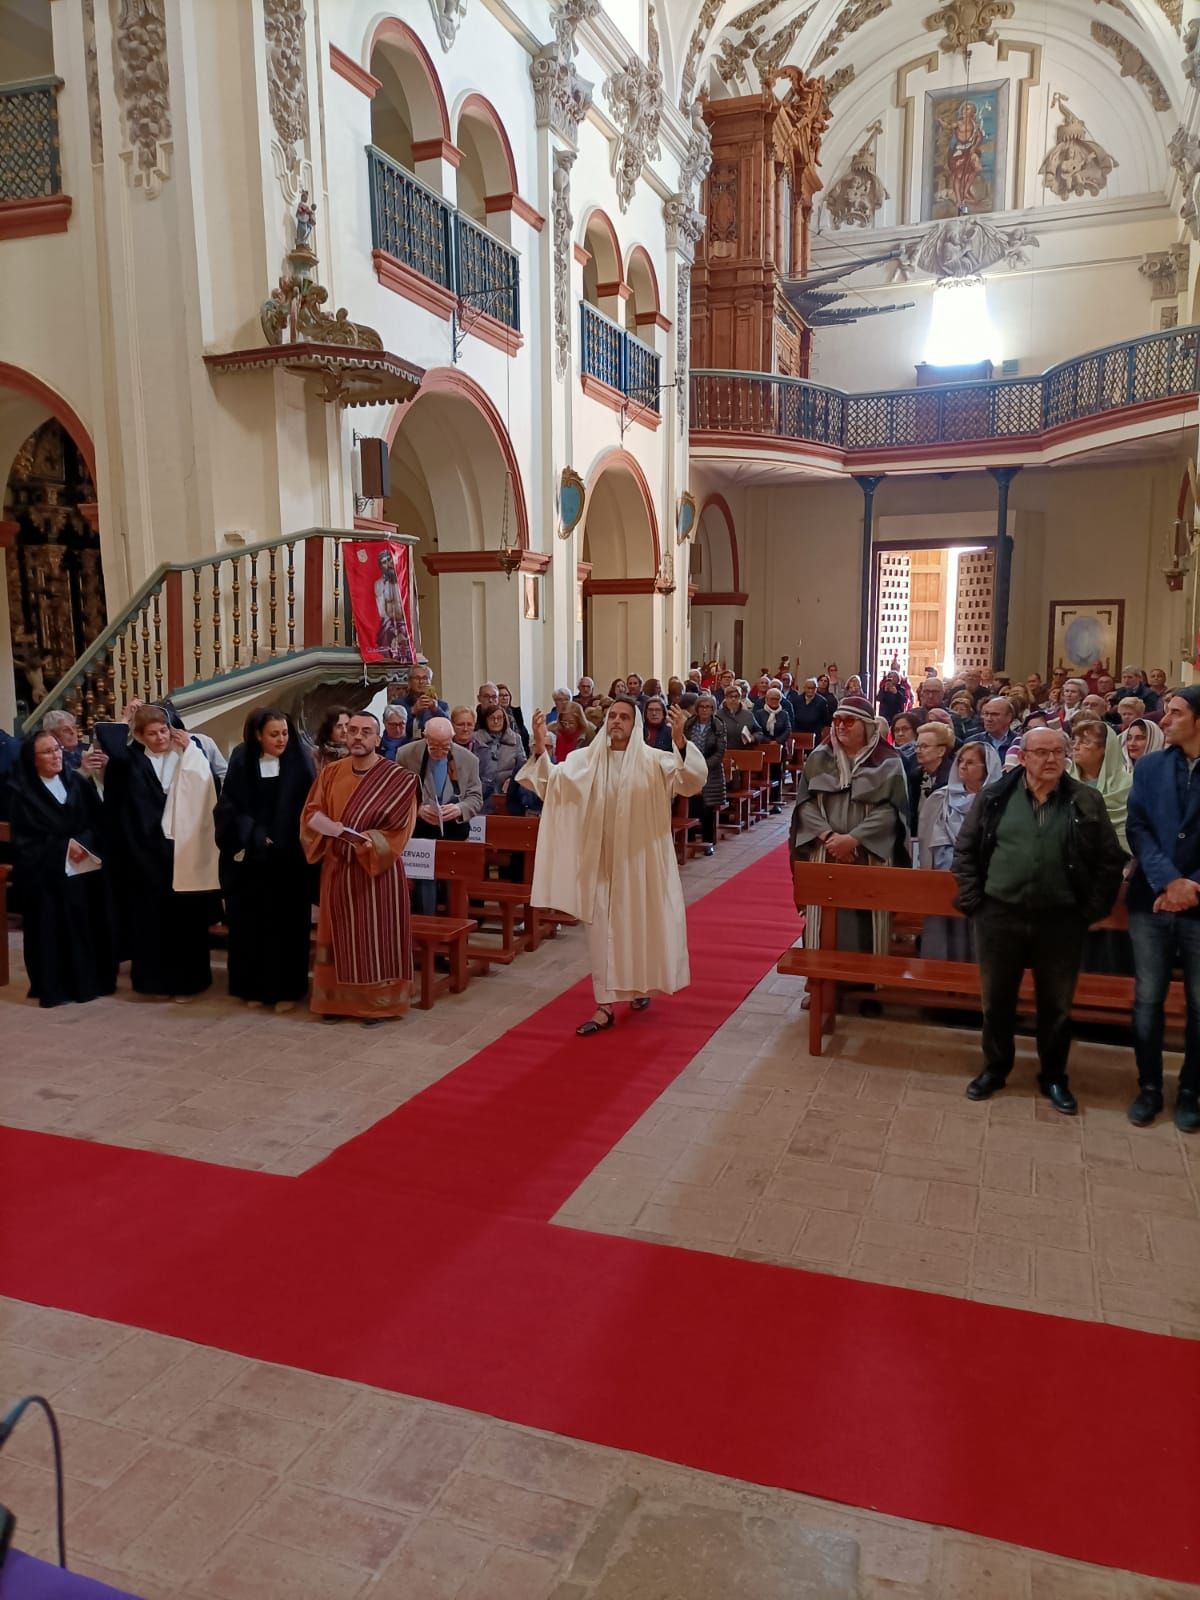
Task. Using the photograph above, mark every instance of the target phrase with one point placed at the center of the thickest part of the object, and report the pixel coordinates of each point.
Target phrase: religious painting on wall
(965, 151)
(1086, 634)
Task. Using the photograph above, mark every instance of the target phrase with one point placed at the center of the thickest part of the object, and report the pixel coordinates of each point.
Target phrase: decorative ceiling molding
(968, 22)
(691, 63)
(1133, 64)
(963, 247)
(1184, 151)
(849, 20)
(839, 80)
(1118, 5)
(1075, 163)
(855, 199)
(635, 96)
(1191, 61)
(769, 58)
(144, 90)
(697, 158)
(1173, 11)
(287, 92)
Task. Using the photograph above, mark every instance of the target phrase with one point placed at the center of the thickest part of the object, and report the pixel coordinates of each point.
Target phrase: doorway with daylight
(933, 607)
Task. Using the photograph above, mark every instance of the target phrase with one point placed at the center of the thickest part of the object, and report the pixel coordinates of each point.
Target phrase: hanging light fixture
(510, 554)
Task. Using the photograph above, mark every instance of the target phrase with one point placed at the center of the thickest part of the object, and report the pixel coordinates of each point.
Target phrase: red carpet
(418, 1258)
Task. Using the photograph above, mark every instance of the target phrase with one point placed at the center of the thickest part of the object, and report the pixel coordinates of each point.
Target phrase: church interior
(590, 338)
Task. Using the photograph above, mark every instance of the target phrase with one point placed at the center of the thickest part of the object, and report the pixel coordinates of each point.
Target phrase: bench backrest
(745, 760)
(908, 889)
(513, 836)
(453, 860)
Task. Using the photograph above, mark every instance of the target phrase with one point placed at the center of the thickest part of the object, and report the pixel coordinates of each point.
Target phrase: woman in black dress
(266, 879)
(56, 821)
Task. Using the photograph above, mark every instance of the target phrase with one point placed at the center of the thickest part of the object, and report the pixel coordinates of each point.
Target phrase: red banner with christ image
(379, 594)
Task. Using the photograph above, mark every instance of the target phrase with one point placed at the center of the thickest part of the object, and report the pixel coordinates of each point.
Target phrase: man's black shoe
(985, 1085)
(1060, 1097)
(1187, 1111)
(1146, 1107)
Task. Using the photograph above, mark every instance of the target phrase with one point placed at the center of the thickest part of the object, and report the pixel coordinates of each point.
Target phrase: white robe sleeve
(536, 774)
(688, 770)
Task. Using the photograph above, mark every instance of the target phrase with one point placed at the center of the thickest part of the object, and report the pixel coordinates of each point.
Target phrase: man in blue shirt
(1164, 906)
(998, 728)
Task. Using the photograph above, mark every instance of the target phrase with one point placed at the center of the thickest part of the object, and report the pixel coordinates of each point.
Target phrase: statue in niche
(855, 199)
(1076, 165)
(306, 224)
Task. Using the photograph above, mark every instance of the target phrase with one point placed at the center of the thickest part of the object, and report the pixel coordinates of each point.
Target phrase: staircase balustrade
(1160, 366)
(214, 622)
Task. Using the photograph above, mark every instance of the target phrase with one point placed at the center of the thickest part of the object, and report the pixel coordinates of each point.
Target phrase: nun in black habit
(56, 819)
(266, 878)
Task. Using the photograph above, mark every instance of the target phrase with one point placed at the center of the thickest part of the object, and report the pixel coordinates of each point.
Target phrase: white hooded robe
(605, 855)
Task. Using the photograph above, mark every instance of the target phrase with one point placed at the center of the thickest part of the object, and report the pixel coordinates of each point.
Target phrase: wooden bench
(1098, 996)
(799, 748)
(502, 899)
(683, 826)
(743, 765)
(772, 751)
(455, 864)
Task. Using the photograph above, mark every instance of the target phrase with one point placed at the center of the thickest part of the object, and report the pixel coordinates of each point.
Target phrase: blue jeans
(1157, 937)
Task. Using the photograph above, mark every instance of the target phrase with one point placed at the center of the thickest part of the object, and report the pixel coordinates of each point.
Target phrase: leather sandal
(592, 1026)
(640, 1003)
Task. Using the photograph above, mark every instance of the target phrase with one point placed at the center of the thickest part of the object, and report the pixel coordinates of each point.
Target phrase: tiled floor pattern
(870, 1163)
(199, 1475)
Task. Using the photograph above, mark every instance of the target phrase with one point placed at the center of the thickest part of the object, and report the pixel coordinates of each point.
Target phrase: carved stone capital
(685, 225)
(561, 97)
(1166, 271)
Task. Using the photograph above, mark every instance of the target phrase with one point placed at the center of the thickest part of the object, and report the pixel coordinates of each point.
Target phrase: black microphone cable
(6, 1427)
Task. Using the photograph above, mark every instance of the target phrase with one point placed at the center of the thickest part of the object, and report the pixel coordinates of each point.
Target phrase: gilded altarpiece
(55, 583)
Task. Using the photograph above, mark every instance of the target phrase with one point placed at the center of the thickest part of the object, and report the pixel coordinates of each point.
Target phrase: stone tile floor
(196, 1474)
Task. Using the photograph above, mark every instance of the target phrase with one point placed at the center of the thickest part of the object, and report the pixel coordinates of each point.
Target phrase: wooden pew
(506, 899)
(772, 751)
(456, 865)
(683, 826)
(799, 748)
(742, 765)
(1098, 996)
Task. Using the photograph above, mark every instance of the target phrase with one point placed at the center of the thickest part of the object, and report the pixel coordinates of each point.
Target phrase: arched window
(408, 114)
(487, 171)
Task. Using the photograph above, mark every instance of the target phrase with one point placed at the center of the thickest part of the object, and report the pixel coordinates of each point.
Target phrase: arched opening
(643, 307)
(718, 607)
(454, 479)
(604, 283)
(621, 546)
(409, 108)
(53, 573)
(486, 171)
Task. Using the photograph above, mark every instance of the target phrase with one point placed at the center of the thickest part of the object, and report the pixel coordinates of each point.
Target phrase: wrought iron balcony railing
(1161, 366)
(427, 234)
(30, 165)
(618, 358)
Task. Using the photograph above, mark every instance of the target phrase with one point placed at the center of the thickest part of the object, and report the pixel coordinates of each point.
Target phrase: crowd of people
(1041, 798)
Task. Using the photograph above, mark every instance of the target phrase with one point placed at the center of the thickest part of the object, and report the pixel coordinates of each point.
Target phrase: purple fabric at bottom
(23, 1577)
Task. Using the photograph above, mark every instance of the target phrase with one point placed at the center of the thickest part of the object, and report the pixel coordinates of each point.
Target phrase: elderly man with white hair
(450, 793)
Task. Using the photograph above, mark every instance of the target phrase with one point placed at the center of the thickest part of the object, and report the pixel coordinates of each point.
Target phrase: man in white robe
(605, 853)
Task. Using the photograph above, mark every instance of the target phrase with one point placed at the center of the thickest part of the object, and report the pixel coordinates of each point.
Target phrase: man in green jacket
(1037, 861)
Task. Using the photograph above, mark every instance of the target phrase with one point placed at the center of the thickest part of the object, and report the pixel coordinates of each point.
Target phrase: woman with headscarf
(268, 883)
(852, 807)
(1098, 760)
(1139, 738)
(61, 877)
(976, 765)
(707, 734)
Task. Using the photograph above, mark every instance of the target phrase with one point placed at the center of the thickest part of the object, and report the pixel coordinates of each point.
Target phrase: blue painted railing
(419, 228)
(1161, 366)
(618, 358)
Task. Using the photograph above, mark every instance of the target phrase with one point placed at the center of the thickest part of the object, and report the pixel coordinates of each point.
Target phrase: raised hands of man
(540, 737)
(678, 720)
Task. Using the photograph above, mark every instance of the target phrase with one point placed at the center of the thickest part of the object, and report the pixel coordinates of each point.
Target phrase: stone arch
(621, 549)
(488, 170)
(409, 115)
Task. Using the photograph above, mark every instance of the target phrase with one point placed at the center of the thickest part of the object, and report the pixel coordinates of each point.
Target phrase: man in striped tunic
(356, 822)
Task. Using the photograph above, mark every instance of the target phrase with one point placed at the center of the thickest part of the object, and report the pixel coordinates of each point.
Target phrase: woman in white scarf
(1098, 760)
(943, 813)
(1139, 738)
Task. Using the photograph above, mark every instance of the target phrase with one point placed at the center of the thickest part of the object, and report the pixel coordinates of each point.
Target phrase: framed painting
(965, 151)
(1085, 634)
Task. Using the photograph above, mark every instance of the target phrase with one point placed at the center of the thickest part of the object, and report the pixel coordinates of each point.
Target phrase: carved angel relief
(1076, 164)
